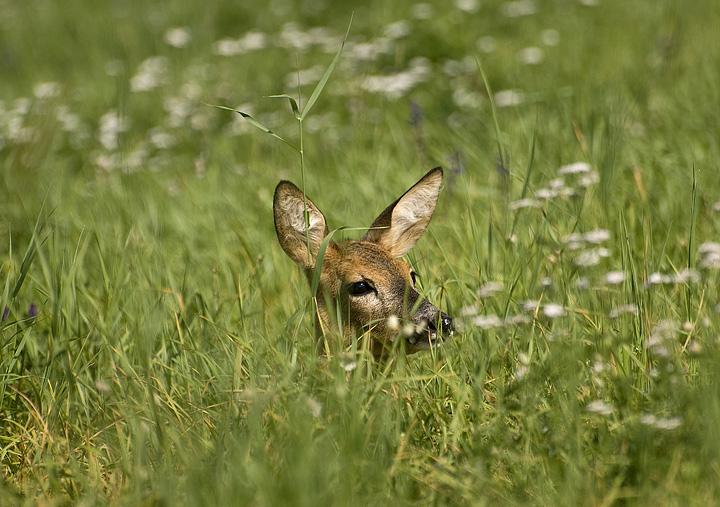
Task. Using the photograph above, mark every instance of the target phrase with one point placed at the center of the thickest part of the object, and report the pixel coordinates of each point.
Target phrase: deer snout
(445, 322)
(433, 327)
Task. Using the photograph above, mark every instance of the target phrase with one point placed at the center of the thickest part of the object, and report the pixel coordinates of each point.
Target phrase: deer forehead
(362, 260)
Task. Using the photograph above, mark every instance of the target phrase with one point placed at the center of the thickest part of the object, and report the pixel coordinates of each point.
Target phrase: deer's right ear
(404, 221)
(289, 207)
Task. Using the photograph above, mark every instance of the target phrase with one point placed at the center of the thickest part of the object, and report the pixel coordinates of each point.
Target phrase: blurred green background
(157, 343)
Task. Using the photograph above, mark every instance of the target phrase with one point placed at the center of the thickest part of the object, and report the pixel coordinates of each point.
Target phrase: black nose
(446, 323)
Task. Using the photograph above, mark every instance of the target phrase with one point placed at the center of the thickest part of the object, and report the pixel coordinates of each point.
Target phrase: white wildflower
(662, 334)
(315, 406)
(103, 387)
(467, 99)
(397, 85)
(657, 347)
(669, 424)
(469, 310)
(525, 203)
(254, 40)
(487, 321)
(597, 236)
(553, 310)
(398, 30)
(304, 77)
(661, 423)
(591, 257)
(70, 121)
(393, 322)
(292, 37)
(575, 168)
(469, 6)
(658, 279)
(151, 74)
(550, 37)
(521, 371)
(452, 68)
(518, 8)
(178, 111)
(556, 188)
(600, 407)
(137, 158)
(573, 241)
(408, 329)
(531, 56)
(530, 305)
(489, 289)
(629, 308)
(160, 139)
(251, 41)
(486, 44)
(111, 125)
(614, 277)
(518, 319)
(687, 276)
(48, 90)
(201, 120)
(107, 161)
(508, 98)
(709, 255)
(422, 11)
(556, 183)
(709, 247)
(588, 179)
(348, 364)
(178, 37)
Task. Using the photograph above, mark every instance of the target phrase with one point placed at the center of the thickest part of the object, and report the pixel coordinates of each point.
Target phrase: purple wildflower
(32, 311)
(5, 313)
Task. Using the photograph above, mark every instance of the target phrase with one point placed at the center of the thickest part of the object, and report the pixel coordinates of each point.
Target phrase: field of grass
(157, 344)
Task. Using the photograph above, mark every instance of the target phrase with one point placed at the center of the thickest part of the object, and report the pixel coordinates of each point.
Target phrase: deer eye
(414, 277)
(360, 288)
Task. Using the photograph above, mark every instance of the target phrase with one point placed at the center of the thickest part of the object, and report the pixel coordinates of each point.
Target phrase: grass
(158, 348)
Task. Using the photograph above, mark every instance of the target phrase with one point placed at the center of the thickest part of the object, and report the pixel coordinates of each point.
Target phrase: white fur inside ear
(296, 218)
(316, 223)
(415, 208)
(411, 216)
(289, 208)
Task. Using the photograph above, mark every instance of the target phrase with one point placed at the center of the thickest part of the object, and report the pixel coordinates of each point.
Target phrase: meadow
(157, 344)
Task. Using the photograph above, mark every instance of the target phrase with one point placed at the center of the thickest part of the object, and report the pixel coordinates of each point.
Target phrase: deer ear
(289, 205)
(404, 221)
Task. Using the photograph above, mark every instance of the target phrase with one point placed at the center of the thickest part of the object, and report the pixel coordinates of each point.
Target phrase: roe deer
(363, 283)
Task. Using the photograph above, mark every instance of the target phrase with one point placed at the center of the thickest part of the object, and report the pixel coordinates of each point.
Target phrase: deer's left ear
(294, 232)
(402, 223)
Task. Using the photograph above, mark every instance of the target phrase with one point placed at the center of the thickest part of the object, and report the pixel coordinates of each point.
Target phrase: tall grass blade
(293, 103)
(502, 153)
(691, 242)
(526, 183)
(693, 220)
(317, 269)
(324, 79)
(29, 257)
(256, 123)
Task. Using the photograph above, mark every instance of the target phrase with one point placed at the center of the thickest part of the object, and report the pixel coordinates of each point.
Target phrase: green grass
(158, 344)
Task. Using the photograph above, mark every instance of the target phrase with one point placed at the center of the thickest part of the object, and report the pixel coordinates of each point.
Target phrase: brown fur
(391, 303)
